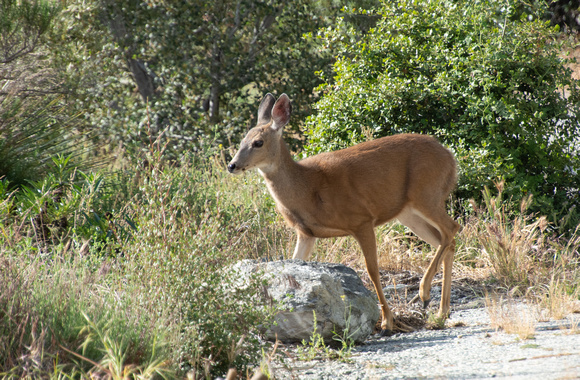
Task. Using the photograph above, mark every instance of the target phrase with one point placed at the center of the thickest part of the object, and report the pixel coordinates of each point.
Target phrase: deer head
(261, 146)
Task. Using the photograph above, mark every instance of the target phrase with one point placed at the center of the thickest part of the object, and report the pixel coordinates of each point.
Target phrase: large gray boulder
(334, 292)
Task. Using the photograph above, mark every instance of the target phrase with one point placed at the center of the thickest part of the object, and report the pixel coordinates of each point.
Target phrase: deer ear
(265, 109)
(281, 112)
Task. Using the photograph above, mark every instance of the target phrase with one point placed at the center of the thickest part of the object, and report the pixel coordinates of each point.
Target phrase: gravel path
(474, 350)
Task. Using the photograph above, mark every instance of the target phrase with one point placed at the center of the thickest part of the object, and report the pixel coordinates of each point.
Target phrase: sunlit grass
(512, 317)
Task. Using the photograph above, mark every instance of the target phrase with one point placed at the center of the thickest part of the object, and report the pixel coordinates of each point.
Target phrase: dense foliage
(191, 71)
(22, 27)
(484, 77)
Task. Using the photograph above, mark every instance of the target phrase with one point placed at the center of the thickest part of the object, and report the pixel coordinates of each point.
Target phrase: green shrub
(484, 77)
(21, 24)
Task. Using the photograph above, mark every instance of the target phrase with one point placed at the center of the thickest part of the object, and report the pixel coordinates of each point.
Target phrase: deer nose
(231, 167)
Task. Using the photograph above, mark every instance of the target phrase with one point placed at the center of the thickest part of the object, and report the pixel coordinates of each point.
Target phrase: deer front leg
(367, 240)
(304, 247)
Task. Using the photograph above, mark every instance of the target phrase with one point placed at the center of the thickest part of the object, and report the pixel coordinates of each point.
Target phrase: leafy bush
(23, 28)
(484, 77)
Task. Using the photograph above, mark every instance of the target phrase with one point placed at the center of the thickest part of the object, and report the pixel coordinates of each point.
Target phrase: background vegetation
(118, 221)
(485, 77)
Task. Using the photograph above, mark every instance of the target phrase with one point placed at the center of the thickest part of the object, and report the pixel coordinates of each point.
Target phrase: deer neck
(284, 177)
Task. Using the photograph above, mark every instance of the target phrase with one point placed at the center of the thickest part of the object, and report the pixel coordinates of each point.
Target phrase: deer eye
(258, 143)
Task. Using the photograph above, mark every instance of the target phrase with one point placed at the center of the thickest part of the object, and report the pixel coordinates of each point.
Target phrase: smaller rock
(398, 289)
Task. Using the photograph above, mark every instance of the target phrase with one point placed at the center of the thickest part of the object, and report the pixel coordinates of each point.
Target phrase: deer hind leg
(304, 247)
(446, 289)
(367, 241)
(438, 230)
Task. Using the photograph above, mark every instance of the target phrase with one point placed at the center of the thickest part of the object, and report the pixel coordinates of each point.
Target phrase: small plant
(316, 345)
(267, 359)
(435, 322)
(311, 349)
(114, 363)
(344, 338)
(574, 327)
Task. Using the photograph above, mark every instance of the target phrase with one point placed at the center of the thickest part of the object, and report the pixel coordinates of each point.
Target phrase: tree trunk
(143, 78)
(215, 91)
(214, 103)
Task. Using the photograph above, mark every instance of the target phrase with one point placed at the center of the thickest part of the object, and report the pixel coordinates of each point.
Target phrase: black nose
(231, 168)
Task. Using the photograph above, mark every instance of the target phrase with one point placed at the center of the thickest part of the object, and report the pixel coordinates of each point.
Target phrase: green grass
(124, 273)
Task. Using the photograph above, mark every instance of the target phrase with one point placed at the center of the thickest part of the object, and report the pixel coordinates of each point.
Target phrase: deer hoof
(426, 303)
(387, 332)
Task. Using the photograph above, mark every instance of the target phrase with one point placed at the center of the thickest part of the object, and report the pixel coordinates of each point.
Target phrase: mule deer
(354, 190)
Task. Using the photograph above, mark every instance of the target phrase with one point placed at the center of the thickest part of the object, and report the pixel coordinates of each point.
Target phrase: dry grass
(344, 250)
(513, 244)
(512, 317)
(573, 327)
(558, 300)
(401, 250)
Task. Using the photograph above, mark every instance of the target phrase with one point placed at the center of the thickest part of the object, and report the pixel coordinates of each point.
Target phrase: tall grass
(32, 133)
(522, 252)
(124, 273)
(514, 243)
(46, 309)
